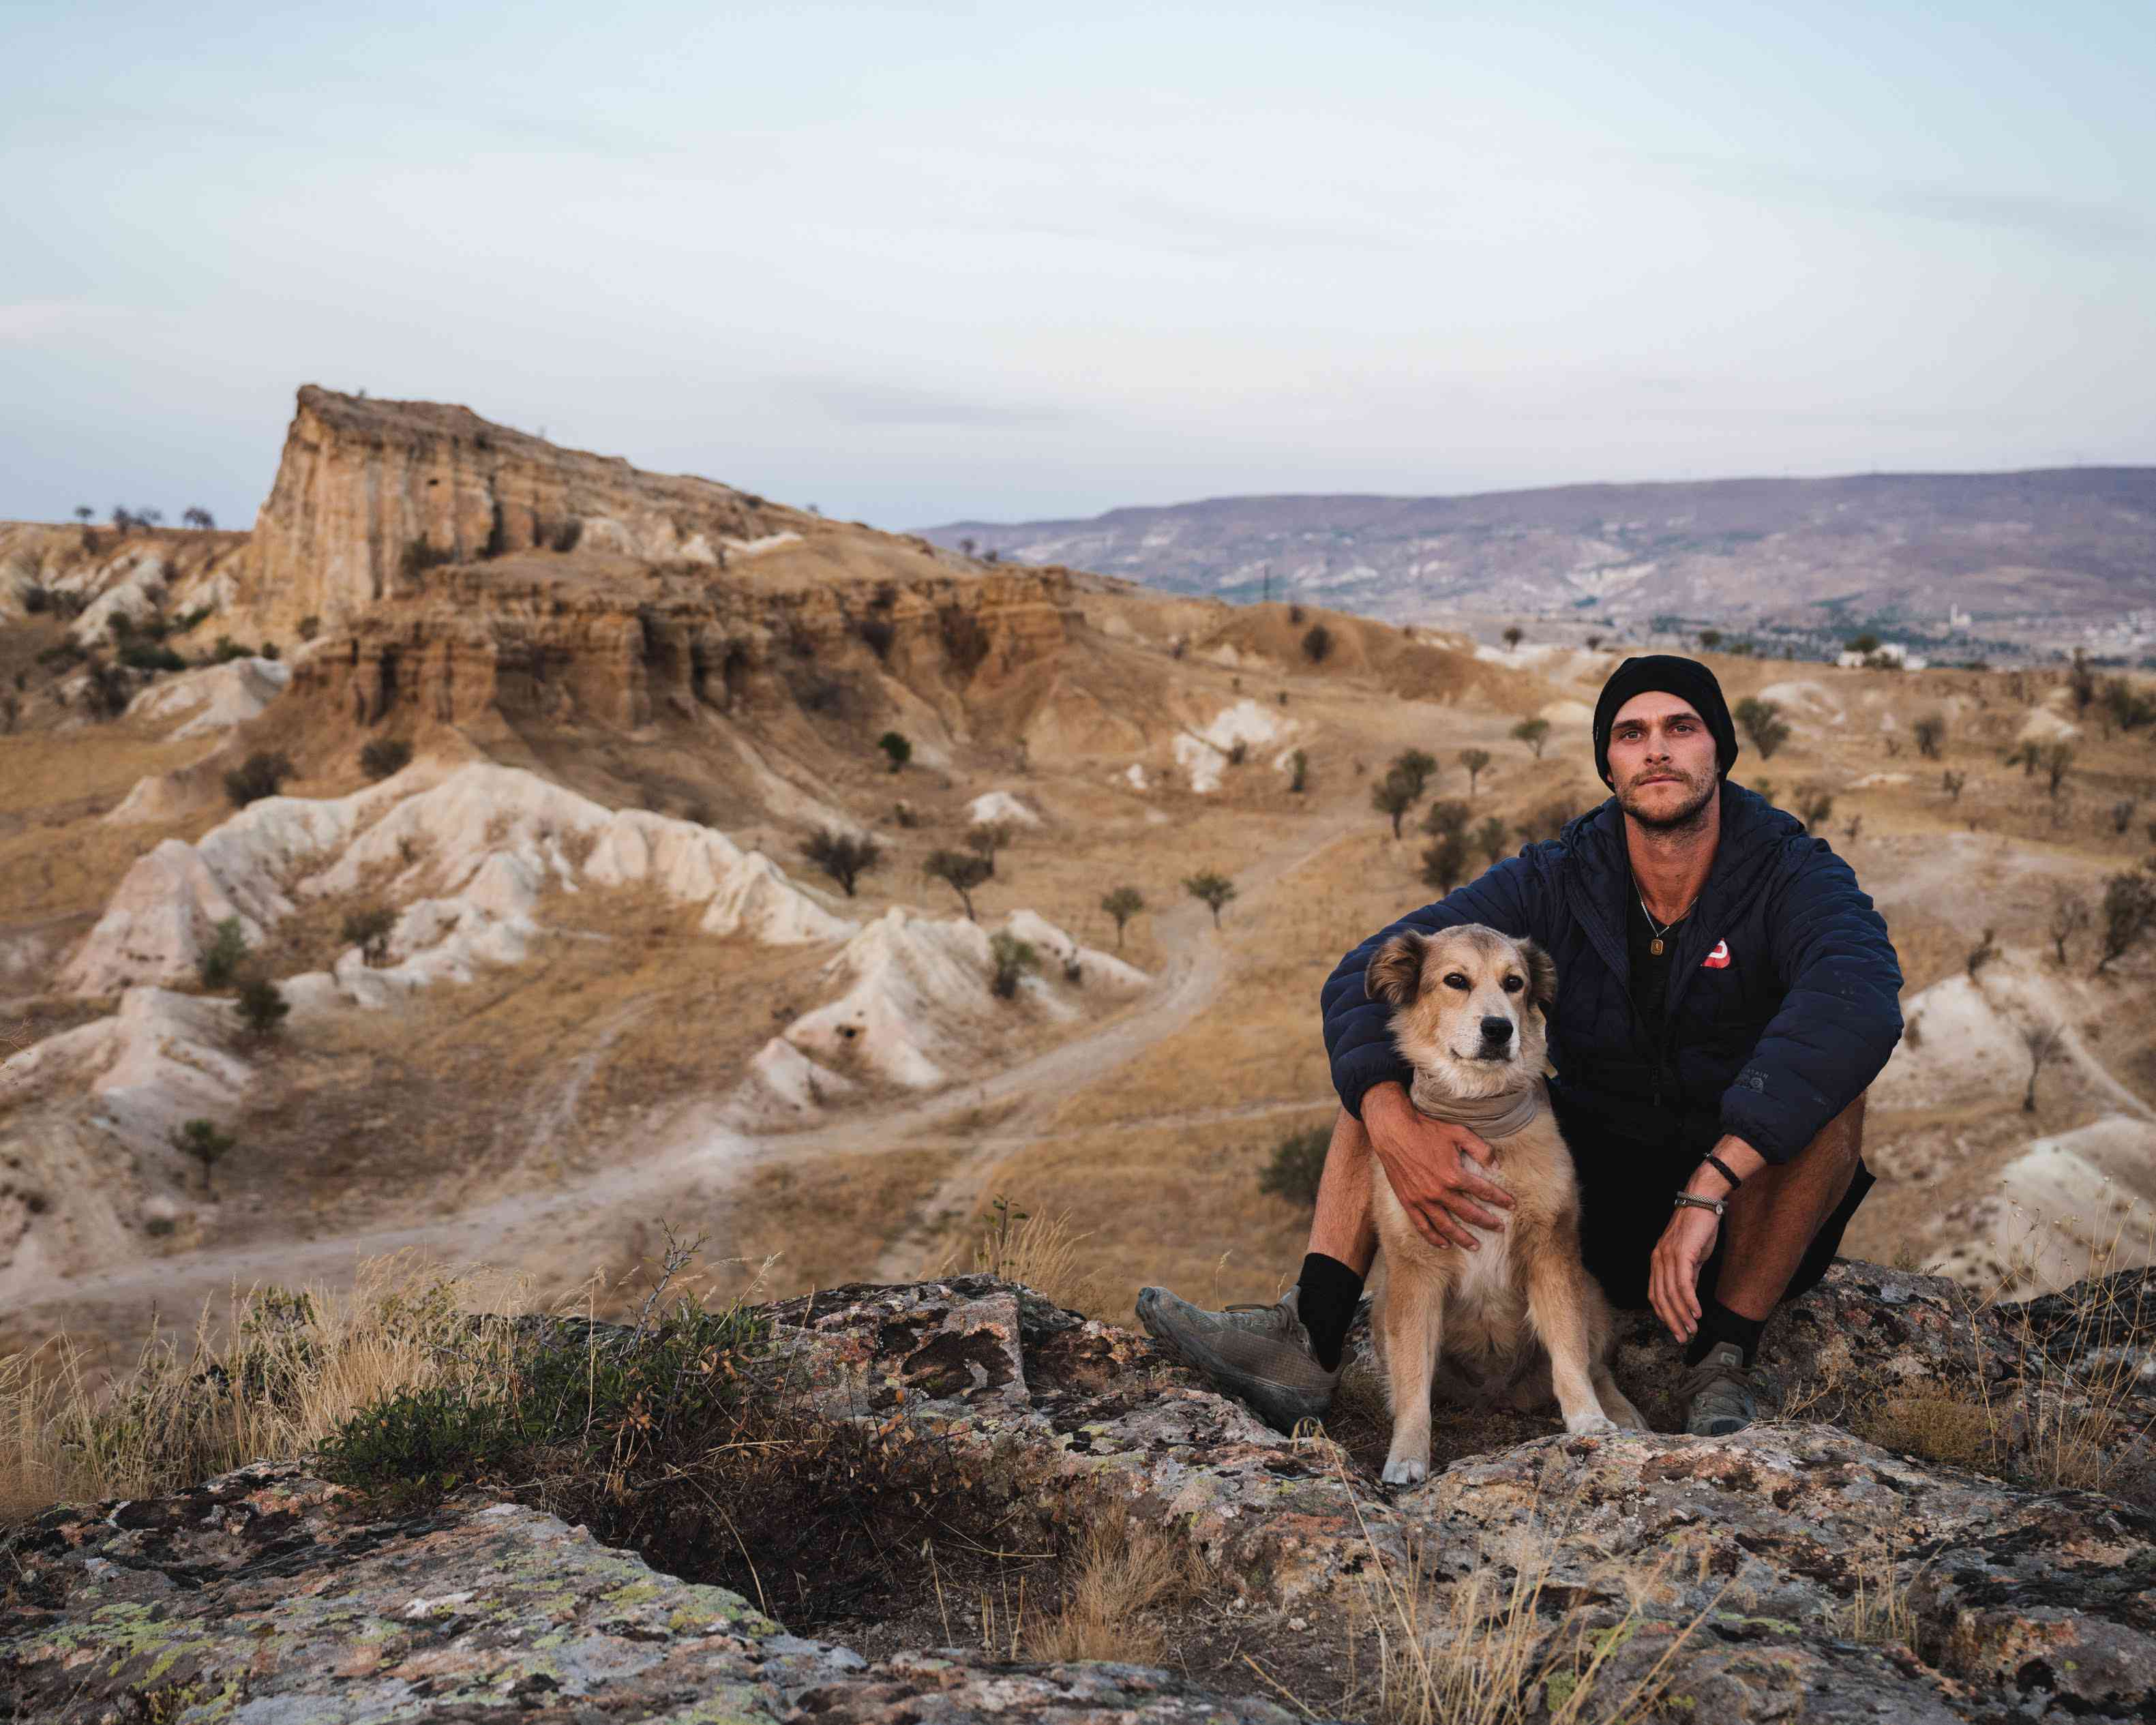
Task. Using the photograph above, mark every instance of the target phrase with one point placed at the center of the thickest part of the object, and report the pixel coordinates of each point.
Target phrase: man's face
(1662, 760)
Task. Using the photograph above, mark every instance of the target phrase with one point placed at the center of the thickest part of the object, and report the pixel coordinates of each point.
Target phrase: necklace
(1655, 945)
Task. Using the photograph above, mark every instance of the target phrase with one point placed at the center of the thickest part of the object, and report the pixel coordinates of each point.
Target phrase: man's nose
(1496, 1029)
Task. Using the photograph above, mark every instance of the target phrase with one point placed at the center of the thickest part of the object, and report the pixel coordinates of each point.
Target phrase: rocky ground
(1798, 1570)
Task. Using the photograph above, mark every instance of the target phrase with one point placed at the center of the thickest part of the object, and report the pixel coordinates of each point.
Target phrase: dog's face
(1470, 1005)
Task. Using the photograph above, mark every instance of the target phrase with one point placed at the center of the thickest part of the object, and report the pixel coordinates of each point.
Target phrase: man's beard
(1689, 814)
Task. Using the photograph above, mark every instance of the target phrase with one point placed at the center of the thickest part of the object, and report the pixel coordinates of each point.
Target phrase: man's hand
(1673, 1270)
(1431, 1166)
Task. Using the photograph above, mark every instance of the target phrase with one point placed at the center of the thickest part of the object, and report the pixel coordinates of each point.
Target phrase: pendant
(1656, 947)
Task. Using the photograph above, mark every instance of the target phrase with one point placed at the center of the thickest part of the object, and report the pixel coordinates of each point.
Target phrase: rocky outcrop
(1793, 1571)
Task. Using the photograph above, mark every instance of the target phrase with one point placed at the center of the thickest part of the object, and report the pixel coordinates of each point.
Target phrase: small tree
(895, 748)
(1416, 766)
(1444, 861)
(1491, 839)
(845, 857)
(960, 871)
(1212, 889)
(369, 929)
(1298, 773)
(1534, 733)
(1447, 816)
(1866, 644)
(1297, 1165)
(2042, 1041)
(1595, 643)
(1011, 958)
(2057, 758)
(984, 838)
(385, 757)
(84, 513)
(197, 516)
(221, 959)
(200, 1141)
(1514, 635)
(1814, 806)
(1762, 724)
(262, 1006)
(1709, 640)
(1930, 731)
(1393, 795)
(1951, 782)
(1475, 760)
(1123, 904)
(2070, 916)
(1317, 643)
(258, 777)
(2127, 914)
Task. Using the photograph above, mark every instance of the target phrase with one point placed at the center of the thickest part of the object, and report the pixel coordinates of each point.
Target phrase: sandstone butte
(267, 1595)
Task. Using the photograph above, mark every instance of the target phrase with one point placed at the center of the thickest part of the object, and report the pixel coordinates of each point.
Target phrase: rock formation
(1731, 1575)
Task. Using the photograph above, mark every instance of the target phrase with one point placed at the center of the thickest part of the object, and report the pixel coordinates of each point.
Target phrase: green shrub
(260, 776)
(369, 929)
(220, 960)
(896, 749)
(143, 655)
(1298, 1161)
(1012, 959)
(262, 1006)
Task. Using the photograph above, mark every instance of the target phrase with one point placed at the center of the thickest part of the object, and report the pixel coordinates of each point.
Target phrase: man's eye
(1513, 985)
(1455, 980)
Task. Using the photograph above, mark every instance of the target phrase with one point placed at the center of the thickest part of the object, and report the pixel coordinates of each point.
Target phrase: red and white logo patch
(1718, 959)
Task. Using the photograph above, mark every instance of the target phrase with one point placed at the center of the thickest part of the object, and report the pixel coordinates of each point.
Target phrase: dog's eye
(1455, 980)
(1513, 985)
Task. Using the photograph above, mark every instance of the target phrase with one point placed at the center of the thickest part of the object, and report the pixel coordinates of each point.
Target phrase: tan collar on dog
(1488, 1117)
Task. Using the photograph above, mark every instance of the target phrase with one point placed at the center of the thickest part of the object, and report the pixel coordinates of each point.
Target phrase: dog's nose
(1496, 1029)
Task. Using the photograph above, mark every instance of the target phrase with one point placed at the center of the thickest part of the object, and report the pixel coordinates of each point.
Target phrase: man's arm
(1840, 1019)
(1358, 1030)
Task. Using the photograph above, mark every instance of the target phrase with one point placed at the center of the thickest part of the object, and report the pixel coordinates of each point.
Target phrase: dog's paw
(1584, 1425)
(1404, 1470)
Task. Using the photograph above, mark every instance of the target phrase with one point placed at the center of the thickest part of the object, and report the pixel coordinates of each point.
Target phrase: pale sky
(917, 262)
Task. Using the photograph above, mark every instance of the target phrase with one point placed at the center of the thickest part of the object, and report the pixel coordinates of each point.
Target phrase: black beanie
(1664, 674)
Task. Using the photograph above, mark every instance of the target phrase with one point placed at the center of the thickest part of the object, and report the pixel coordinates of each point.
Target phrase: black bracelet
(1721, 1167)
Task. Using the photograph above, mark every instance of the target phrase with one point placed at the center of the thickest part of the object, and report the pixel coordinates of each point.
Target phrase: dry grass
(821, 1221)
(276, 1376)
(1124, 1574)
(1960, 1432)
(1039, 1251)
(1879, 1613)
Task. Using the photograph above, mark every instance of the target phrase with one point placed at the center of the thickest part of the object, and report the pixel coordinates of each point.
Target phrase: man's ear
(1395, 971)
(1542, 976)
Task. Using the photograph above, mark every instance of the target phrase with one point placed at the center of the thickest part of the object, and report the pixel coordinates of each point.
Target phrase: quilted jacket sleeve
(1357, 1030)
(1839, 1019)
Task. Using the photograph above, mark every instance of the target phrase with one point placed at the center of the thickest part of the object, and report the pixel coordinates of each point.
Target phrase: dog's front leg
(1411, 1327)
(1558, 1305)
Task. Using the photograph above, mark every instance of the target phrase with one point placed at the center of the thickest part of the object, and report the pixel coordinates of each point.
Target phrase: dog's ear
(1542, 976)
(1395, 971)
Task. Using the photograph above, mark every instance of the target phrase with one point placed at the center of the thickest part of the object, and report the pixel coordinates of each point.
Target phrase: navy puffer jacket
(1770, 1045)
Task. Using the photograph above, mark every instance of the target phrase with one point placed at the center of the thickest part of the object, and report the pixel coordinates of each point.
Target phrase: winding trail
(697, 1151)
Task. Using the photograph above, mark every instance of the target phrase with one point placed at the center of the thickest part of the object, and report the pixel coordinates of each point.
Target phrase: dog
(1522, 1317)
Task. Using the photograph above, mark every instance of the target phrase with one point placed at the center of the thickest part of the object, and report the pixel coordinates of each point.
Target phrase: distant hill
(2014, 552)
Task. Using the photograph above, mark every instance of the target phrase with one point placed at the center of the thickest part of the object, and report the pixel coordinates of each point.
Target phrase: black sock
(1718, 1324)
(1327, 1291)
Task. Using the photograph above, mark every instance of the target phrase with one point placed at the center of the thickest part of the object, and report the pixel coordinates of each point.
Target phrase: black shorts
(1626, 1193)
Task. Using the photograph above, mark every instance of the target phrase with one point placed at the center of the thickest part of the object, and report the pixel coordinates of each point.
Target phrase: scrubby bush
(1444, 862)
(1447, 815)
(1930, 731)
(1416, 766)
(228, 649)
(262, 1006)
(1514, 635)
(147, 656)
(895, 748)
(1296, 1166)
(221, 959)
(1543, 823)
(2127, 914)
(845, 857)
(1476, 762)
(1123, 904)
(1534, 733)
(2070, 916)
(986, 839)
(107, 690)
(260, 776)
(1814, 806)
(1317, 643)
(1010, 958)
(309, 627)
(1491, 839)
(1762, 724)
(385, 757)
(1298, 770)
(36, 600)
(1393, 795)
(369, 929)
(1951, 782)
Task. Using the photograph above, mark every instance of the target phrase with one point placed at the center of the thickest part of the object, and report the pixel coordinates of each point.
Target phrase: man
(1726, 993)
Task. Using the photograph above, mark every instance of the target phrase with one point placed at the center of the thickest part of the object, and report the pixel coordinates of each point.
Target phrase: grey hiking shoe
(1260, 1354)
(1720, 1394)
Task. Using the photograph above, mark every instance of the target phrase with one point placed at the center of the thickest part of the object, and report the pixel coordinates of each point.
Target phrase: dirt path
(697, 1151)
